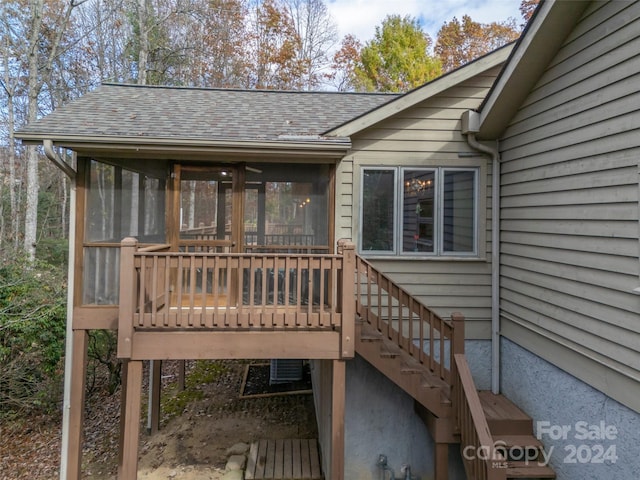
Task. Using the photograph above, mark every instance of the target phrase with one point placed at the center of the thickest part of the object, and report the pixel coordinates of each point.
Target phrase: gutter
(471, 126)
(315, 144)
(57, 161)
(68, 361)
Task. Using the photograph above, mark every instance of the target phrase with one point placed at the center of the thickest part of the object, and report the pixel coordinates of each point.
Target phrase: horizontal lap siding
(427, 134)
(569, 216)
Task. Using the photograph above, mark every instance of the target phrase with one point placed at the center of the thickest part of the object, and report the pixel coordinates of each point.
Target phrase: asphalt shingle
(196, 113)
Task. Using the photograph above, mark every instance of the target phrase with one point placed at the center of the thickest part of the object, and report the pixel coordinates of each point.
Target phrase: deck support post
(441, 464)
(130, 419)
(76, 405)
(337, 419)
(155, 378)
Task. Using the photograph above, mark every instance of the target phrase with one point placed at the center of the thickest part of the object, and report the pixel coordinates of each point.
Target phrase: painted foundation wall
(380, 419)
(563, 407)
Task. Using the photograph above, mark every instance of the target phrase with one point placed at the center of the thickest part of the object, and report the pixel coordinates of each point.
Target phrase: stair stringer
(404, 370)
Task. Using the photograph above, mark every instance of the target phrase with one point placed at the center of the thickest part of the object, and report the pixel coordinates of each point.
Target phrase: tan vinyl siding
(569, 216)
(428, 134)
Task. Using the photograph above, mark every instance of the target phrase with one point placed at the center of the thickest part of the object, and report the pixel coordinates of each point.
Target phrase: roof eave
(422, 93)
(543, 37)
(173, 148)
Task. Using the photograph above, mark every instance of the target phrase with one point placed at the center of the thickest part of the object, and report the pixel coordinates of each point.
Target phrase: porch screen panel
(206, 205)
(287, 207)
(119, 203)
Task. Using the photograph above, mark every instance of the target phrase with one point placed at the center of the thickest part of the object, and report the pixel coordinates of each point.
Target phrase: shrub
(32, 331)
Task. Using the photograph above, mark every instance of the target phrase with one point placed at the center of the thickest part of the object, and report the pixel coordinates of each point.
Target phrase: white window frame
(395, 218)
(398, 195)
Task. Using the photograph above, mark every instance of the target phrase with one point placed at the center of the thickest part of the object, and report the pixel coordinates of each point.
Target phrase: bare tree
(9, 83)
(318, 35)
(42, 49)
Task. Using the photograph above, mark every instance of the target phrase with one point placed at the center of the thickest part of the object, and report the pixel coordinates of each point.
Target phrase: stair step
(369, 334)
(529, 470)
(518, 441)
(404, 370)
(389, 350)
(519, 447)
(410, 366)
(503, 417)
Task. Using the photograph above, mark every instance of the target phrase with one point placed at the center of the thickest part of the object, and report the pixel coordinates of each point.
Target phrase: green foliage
(32, 332)
(102, 355)
(54, 251)
(397, 59)
(204, 372)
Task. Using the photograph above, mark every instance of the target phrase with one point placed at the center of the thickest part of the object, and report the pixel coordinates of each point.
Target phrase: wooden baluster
(154, 291)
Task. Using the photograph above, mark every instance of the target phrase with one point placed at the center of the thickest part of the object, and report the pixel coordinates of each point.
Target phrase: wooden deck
(178, 305)
(290, 459)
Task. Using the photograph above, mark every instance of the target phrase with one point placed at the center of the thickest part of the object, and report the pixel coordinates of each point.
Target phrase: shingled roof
(116, 110)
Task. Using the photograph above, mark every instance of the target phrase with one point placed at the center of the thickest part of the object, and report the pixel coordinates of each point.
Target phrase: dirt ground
(198, 426)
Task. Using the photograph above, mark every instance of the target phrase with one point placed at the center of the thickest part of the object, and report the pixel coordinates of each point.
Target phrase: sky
(360, 17)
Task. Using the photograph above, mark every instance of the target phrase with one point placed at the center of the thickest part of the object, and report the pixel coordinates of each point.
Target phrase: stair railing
(482, 459)
(428, 338)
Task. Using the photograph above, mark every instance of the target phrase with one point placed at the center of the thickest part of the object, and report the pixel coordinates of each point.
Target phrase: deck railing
(483, 460)
(424, 335)
(169, 291)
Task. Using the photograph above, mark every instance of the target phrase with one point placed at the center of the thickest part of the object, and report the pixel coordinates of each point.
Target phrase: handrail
(404, 320)
(482, 459)
(155, 248)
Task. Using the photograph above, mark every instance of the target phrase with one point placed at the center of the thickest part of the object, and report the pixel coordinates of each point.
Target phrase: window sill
(413, 258)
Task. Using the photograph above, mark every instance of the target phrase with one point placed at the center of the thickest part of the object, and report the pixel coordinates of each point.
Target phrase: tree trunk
(31, 214)
(143, 54)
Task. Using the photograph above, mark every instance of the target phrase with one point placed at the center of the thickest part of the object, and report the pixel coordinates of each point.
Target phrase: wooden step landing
(513, 429)
(529, 470)
(503, 417)
(290, 459)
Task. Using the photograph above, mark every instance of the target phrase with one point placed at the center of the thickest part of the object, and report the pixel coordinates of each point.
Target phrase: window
(419, 211)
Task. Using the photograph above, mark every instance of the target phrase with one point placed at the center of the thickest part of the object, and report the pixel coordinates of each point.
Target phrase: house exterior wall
(379, 416)
(586, 434)
(428, 135)
(569, 211)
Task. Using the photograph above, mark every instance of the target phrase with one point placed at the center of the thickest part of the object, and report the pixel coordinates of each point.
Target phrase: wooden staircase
(511, 429)
(427, 361)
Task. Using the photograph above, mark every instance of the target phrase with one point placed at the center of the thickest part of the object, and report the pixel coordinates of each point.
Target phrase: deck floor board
(290, 459)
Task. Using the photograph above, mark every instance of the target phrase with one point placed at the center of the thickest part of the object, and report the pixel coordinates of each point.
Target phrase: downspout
(471, 126)
(66, 399)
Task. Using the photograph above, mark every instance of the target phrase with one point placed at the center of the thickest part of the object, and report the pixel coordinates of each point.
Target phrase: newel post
(457, 343)
(457, 320)
(128, 288)
(347, 299)
(457, 347)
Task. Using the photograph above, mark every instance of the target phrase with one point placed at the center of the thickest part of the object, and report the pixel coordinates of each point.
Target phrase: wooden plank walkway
(290, 459)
